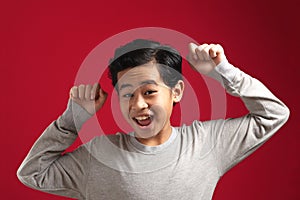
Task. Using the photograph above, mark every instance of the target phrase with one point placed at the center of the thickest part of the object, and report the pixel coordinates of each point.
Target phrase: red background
(43, 44)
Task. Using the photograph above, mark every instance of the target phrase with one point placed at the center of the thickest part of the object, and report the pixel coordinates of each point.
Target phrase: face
(146, 102)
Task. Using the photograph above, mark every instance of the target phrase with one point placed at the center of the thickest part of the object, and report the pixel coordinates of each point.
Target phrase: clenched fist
(206, 57)
(89, 97)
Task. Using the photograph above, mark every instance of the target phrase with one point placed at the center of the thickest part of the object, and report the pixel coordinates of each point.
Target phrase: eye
(149, 92)
(128, 95)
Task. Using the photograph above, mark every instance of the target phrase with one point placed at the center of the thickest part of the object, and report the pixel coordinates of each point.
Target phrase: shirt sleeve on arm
(236, 138)
(45, 167)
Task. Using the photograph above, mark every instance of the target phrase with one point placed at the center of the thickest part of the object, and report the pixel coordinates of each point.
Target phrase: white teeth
(142, 118)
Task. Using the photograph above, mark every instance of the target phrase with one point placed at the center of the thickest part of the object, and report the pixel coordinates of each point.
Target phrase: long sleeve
(234, 139)
(45, 168)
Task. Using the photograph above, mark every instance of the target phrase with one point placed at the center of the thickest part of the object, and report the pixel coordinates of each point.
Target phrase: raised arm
(45, 168)
(234, 139)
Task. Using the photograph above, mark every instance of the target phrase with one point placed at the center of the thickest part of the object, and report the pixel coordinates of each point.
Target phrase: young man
(156, 161)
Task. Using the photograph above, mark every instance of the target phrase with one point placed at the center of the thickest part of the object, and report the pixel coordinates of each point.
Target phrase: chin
(145, 133)
(148, 131)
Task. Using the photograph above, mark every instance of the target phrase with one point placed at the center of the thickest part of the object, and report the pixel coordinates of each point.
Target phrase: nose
(138, 102)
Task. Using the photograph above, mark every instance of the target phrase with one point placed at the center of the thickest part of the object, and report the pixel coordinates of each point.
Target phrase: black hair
(141, 51)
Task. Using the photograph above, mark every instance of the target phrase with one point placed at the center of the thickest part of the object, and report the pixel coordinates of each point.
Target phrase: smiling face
(146, 101)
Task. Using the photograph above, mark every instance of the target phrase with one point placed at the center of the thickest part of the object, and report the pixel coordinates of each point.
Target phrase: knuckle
(88, 86)
(199, 49)
(73, 89)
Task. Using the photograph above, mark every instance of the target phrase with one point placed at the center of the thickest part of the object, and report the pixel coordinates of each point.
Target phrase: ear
(177, 91)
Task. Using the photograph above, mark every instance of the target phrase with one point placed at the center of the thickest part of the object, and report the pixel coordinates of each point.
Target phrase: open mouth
(143, 120)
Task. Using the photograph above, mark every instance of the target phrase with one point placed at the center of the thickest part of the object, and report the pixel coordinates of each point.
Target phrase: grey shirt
(187, 166)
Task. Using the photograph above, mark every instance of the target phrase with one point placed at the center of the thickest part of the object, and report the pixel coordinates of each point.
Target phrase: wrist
(73, 117)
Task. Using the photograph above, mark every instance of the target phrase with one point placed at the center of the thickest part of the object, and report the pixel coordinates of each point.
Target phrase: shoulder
(201, 132)
(200, 127)
(107, 142)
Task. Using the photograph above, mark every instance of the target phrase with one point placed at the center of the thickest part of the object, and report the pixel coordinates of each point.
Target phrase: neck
(157, 139)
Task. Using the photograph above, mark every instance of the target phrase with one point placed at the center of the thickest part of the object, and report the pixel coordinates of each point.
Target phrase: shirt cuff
(224, 71)
(73, 118)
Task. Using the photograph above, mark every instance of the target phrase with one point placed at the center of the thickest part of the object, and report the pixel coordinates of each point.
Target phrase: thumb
(102, 95)
(192, 51)
(217, 53)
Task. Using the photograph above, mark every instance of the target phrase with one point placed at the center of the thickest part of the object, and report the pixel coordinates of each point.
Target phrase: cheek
(160, 112)
(124, 108)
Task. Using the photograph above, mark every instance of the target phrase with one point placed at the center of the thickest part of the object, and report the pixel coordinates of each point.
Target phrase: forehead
(136, 76)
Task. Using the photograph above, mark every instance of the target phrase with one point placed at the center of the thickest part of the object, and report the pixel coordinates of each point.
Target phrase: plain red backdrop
(43, 44)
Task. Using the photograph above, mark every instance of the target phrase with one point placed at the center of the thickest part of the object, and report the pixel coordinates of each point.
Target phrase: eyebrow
(146, 82)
